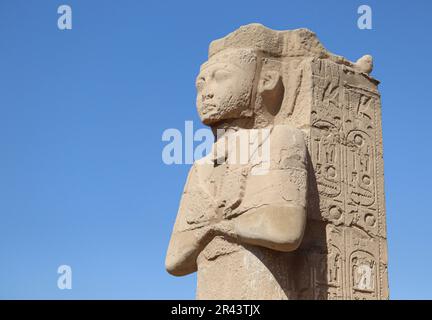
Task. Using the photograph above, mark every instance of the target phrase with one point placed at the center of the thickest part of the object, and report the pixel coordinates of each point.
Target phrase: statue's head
(228, 84)
(225, 84)
(242, 78)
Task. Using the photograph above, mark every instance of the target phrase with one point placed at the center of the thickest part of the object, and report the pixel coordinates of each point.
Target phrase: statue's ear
(268, 81)
(271, 89)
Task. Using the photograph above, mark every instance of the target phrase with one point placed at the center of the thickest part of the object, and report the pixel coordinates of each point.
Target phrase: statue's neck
(231, 126)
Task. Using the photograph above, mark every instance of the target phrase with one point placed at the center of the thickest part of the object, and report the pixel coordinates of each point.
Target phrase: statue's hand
(225, 228)
(203, 234)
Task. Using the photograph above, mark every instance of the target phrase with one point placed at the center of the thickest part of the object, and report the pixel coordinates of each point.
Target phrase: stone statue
(284, 206)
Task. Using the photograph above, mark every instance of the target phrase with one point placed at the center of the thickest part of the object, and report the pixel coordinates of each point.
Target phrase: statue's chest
(214, 193)
(227, 184)
(223, 186)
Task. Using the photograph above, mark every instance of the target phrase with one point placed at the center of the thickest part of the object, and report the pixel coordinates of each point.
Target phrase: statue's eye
(200, 83)
(221, 75)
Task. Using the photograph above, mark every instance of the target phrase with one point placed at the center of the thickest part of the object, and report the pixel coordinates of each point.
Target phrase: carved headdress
(285, 51)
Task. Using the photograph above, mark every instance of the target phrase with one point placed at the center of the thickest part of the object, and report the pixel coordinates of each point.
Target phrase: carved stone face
(224, 86)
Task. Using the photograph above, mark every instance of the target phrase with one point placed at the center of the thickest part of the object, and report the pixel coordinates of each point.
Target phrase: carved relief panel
(344, 154)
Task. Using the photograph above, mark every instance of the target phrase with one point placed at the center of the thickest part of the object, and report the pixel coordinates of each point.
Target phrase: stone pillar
(344, 252)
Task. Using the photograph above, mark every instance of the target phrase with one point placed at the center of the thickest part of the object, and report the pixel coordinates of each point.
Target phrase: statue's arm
(183, 250)
(275, 202)
(188, 239)
(275, 227)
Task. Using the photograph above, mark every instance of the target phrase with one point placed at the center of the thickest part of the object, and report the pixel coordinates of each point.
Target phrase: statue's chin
(210, 119)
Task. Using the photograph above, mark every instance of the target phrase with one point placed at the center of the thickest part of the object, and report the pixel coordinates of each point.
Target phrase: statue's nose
(207, 96)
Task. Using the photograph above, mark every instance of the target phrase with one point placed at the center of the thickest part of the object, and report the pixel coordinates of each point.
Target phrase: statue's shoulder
(284, 135)
(288, 147)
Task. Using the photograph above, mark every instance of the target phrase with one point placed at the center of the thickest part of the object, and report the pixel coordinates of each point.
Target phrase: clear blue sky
(82, 112)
